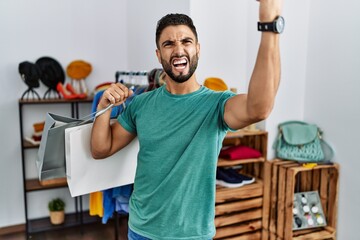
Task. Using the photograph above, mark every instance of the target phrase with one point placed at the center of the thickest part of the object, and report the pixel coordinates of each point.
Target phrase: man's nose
(179, 48)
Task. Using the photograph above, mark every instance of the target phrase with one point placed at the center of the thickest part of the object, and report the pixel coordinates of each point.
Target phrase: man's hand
(269, 10)
(116, 94)
(108, 138)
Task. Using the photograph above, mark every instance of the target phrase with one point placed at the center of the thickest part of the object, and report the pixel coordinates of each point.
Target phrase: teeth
(181, 61)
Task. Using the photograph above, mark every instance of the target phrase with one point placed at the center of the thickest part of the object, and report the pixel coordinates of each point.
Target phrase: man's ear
(158, 55)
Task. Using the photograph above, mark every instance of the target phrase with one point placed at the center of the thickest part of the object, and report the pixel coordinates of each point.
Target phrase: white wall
(289, 103)
(332, 96)
(222, 27)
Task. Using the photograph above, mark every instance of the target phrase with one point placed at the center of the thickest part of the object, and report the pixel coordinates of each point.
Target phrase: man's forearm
(266, 76)
(101, 136)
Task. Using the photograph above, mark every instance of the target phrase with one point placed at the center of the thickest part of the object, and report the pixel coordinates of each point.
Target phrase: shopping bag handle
(89, 118)
(102, 111)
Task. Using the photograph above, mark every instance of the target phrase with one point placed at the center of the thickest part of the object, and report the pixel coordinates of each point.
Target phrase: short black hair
(174, 19)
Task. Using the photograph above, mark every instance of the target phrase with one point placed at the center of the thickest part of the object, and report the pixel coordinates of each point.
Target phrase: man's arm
(245, 109)
(106, 138)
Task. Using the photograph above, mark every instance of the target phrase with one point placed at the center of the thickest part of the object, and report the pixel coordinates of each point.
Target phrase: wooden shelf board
(226, 163)
(242, 205)
(34, 185)
(239, 217)
(28, 144)
(71, 220)
(321, 233)
(247, 191)
(240, 228)
(55, 100)
(242, 133)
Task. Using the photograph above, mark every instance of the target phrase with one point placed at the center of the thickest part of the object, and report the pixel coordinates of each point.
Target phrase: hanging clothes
(96, 204)
(116, 199)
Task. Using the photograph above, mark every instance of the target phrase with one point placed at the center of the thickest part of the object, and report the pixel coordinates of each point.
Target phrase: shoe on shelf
(64, 92)
(245, 179)
(71, 89)
(226, 179)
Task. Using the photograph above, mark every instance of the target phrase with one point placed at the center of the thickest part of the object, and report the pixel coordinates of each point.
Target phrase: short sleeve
(127, 117)
(224, 98)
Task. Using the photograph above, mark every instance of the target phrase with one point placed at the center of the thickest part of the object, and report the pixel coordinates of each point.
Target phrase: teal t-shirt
(180, 139)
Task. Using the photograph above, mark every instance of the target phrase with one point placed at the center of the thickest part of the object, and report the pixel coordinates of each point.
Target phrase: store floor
(94, 231)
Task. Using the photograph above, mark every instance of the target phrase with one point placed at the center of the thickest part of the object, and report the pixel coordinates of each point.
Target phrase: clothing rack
(132, 77)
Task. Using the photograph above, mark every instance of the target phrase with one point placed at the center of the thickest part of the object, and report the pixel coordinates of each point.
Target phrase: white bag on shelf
(85, 174)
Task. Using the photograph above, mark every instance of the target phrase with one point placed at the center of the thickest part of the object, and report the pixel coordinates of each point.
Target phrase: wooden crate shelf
(244, 231)
(255, 235)
(245, 192)
(238, 217)
(239, 210)
(243, 205)
(283, 179)
(227, 163)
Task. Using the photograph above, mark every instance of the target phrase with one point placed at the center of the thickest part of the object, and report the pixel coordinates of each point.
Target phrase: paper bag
(85, 174)
(51, 154)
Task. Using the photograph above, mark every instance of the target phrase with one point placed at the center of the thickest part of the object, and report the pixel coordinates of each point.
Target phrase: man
(180, 127)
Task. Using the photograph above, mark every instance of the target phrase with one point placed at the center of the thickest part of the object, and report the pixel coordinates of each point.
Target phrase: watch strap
(266, 26)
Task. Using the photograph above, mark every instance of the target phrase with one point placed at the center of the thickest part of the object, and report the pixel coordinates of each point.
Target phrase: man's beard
(181, 77)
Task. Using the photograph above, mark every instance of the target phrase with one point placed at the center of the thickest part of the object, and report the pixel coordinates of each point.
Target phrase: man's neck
(189, 86)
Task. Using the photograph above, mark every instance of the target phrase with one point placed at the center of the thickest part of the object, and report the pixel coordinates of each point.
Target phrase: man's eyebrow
(187, 39)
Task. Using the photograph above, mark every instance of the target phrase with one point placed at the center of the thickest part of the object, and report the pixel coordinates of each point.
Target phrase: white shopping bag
(85, 174)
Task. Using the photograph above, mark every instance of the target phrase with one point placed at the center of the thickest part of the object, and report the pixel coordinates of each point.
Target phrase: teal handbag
(302, 142)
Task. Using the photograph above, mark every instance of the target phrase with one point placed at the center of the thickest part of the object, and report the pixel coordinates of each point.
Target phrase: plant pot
(57, 217)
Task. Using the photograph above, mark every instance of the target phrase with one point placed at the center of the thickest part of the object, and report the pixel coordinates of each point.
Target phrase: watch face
(280, 24)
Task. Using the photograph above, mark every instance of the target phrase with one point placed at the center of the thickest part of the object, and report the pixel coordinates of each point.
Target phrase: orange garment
(96, 204)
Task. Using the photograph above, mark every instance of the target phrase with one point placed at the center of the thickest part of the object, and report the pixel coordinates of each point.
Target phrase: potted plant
(57, 213)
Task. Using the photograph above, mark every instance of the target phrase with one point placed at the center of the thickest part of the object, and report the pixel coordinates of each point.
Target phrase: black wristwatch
(277, 26)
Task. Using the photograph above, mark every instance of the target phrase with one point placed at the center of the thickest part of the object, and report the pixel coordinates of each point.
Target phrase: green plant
(56, 204)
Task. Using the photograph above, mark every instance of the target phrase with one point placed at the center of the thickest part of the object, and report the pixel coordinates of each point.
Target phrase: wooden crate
(282, 180)
(239, 210)
(326, 233)
(253, 139)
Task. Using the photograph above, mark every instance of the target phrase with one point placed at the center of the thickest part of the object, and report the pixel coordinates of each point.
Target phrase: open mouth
(180, 64)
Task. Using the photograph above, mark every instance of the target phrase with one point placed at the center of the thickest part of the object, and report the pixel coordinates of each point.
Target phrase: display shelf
(55, 101)
(238, 211)
(35, 185)
(31, 185)
(285, 178)
(71, 220)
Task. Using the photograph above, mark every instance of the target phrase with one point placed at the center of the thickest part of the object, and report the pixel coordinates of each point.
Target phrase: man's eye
(187, 41)
(167, 44)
